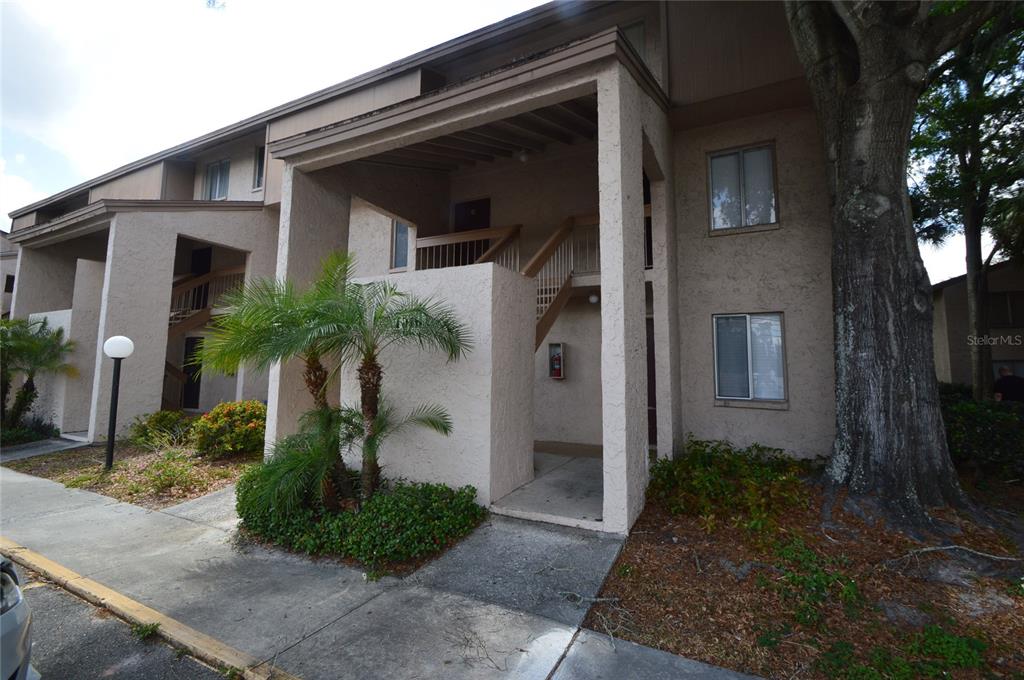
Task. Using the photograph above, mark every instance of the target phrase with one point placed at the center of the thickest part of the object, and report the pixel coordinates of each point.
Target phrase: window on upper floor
(9, 284)
(259, 159)
(742, 187)
(217, 180)
(749, 357)
(399, 245)
(1006, 309)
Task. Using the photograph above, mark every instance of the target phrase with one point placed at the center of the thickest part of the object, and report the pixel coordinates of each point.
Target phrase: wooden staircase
(193, 300)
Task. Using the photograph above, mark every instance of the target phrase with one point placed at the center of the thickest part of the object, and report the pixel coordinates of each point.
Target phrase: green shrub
(411, 521)
(713, 481)
(233, 427)
(986, 435)
(156, 429)
(408, 521)
(30, 430)
(954, 393)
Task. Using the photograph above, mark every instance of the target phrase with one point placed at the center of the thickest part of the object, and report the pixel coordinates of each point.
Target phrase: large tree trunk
(371, 376)
(866, 65)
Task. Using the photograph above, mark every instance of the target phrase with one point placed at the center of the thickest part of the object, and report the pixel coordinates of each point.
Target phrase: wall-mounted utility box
(556, 361)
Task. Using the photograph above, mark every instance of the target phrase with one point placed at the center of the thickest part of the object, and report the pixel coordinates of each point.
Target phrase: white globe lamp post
(117, 348)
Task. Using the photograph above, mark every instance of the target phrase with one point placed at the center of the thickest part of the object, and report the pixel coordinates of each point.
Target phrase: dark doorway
(202, 261)
(470, 215)
(190, 392)
(652, 398)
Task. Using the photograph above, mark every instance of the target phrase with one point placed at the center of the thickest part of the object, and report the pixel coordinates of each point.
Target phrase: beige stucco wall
(569, 410)
(137, 291)
(488, 393)
(783, 270)
(242, 154)
(145, 183)
(369, 240)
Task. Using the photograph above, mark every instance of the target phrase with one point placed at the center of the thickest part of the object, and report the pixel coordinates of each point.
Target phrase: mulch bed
(132, 479)
(714, 597)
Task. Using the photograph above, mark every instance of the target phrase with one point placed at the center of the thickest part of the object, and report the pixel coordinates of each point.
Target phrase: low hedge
(156, 429)
(404, 522)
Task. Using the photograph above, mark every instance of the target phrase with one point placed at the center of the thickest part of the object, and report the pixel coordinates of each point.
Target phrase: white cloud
(105, 83)
(15, 192)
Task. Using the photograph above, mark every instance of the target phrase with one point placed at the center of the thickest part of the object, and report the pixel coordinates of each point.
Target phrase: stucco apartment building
(625, 202)
(8, 265)
(951, 337)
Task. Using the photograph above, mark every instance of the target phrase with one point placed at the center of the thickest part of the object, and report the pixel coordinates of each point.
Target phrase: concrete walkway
(492, 607)
(40, 448)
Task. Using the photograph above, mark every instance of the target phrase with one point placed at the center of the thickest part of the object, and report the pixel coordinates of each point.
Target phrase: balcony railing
(499, 245)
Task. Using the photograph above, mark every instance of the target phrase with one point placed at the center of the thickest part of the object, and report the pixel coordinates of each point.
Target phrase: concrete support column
(623, 328)
(314, 222)
(45, 280)
(665, 288)
(136, 302)
(85, 313)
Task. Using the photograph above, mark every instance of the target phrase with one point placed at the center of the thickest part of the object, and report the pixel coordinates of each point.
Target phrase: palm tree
(30, 348)
(337, 321)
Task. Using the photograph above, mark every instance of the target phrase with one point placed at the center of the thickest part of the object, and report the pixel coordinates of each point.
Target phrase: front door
(190, 393)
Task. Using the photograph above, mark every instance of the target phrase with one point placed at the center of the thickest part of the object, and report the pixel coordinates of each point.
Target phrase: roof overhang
(96, 216)
(604, 46)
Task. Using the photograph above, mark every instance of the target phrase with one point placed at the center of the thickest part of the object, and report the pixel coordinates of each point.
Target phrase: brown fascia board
(102, 210)
(605, 44)
(501, 31)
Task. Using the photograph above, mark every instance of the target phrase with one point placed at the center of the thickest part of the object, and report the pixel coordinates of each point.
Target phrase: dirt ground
(152, 479)
(814, 600)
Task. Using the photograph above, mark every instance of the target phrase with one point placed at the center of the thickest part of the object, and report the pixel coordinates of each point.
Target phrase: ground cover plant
(771, 584)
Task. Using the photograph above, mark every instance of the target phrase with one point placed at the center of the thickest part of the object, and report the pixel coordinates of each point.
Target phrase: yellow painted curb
(199, 645)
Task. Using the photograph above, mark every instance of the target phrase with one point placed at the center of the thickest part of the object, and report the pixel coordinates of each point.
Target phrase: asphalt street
(73, 639)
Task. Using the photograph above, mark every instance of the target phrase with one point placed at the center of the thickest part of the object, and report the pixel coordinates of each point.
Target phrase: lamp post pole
(112, 427)
(117, 348)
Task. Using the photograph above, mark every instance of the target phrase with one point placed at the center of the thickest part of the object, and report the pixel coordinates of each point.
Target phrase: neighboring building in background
(8, 270)
(1006, 324)
(625, 202)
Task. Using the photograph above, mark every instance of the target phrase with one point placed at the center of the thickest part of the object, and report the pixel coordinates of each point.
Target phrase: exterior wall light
(117, 348)
(593, 299)
(523, 156)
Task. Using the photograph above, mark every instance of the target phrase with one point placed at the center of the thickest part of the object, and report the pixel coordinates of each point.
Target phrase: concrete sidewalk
(491, 607)
(39, 448)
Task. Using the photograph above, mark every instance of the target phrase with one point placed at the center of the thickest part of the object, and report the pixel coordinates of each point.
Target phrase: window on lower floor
(1006, 309)
(742, 188)
(749, 357)
(9, 283)
(399, 245)
(217, 180)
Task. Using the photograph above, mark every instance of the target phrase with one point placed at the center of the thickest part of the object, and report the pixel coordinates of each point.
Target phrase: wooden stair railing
(190, 297)
(195, 320)
(551, 267)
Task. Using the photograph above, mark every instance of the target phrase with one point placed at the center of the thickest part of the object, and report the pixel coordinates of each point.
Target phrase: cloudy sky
(88, 86)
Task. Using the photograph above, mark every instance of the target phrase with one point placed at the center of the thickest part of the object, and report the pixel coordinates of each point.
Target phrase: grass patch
(144, 631)
(141, 475)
